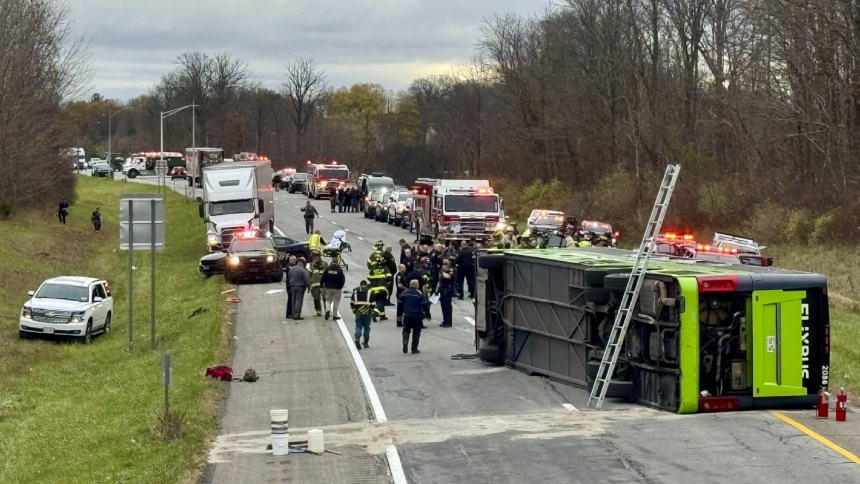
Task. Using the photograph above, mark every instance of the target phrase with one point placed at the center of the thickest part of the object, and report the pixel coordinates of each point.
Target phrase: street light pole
(166, 114)
(110, 118)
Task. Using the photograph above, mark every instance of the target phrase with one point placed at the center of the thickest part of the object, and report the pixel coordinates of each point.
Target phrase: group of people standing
(345, 200)
(325, 281)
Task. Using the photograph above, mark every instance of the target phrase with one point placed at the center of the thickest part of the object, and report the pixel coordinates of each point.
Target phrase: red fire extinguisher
(841, 400)
(823, 407)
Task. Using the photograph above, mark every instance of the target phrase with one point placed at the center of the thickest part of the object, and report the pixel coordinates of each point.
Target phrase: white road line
(569, 407)
(394, 464)
(375, 403)
(346, 230)
(470, 320)
(360, 238)
(334, 223)
(279, 231)
(479, 371)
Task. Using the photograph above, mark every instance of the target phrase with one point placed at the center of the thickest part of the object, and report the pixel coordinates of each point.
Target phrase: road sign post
(141, 214)
(166, 379)
(161, 172)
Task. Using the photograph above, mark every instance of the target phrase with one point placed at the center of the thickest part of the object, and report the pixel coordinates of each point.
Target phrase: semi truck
(705, 337)
(325, 178)
(455, 209)
(143, 163)
(236, 197)
(196, 159)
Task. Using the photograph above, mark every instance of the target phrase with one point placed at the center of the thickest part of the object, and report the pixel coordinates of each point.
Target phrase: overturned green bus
(705, 337)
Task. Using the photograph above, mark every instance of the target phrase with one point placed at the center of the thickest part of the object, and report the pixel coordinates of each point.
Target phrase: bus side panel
(815, 340)
(689, 354)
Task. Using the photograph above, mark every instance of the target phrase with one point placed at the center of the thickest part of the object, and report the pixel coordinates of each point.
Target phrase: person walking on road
(63, 211)
(400, 283)
(445, 290)
(333, 200)
(299, 282)
(391, 267)
(310, 212)
(362, 306)
(317, 269)
(290, 264)
(414, 305)
(333, 281)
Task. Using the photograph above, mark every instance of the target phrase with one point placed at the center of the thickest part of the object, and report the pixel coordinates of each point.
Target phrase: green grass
(82, 414)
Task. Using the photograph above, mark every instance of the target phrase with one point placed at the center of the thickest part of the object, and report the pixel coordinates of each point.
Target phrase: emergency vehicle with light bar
(143, 163)
(325, 178)
(727, 255)
(248, 156)
(704, 337)
(673, 244)
(600, 228)
(455, 209)
(545, 221)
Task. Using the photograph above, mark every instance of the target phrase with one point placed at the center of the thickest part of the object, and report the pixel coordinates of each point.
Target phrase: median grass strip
(71, 413)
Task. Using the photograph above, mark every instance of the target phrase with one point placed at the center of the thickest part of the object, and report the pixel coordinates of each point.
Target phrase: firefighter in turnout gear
(378, 292)
(317, 269)
(376, 258)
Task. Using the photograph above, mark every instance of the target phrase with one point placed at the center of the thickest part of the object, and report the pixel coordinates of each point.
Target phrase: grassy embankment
(81, 414)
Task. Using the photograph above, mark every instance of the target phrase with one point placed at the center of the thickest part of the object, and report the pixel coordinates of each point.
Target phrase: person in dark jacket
(408, 259)
(341, 196)
(414, 305)
(310, 212)
(435, 264)
(63, 211)
(466, 271)
(290, 264)
(332, 283)
(299, 281)
(363, 307)
(391, 265)
(96, 220)
(400, 283)
(355, 198)
(422, 275)
(445, 290)
(333, 200)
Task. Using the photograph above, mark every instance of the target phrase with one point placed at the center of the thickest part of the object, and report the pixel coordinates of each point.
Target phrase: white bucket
(315, 441)
(280, 432)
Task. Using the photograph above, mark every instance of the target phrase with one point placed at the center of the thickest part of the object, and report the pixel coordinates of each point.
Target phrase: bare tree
(304, 89)
(41, 65)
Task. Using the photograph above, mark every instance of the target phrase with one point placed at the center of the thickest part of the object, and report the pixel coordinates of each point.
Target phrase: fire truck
(326, 177)
(455, 209)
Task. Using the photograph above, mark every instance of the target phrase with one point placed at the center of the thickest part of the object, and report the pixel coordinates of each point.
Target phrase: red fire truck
(455, 209)
(325, 177)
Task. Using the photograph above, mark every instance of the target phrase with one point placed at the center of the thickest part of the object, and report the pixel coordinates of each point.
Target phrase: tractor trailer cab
(705, 337)
(236, 197)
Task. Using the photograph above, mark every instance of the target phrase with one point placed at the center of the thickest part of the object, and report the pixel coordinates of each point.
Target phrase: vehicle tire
(133, 173)
(617, 388)
(491, 261)
(87, 338)
(616, 282)
(229, 279)
(365, 213)
(106, 327)
(23, 335)
(489, 353)
(592, 368)
(278, 278)
(597, 295)
(388, 219)
(594, 277)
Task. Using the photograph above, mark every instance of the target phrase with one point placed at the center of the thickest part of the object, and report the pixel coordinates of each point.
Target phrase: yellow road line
(827, 442)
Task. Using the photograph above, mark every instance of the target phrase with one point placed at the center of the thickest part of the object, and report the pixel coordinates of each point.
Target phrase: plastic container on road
(316, 443)
(280, 432)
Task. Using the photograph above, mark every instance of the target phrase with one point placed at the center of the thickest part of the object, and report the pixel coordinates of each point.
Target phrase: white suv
(77, 307)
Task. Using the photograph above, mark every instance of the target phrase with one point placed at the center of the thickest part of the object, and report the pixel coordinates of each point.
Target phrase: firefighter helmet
(379, 245)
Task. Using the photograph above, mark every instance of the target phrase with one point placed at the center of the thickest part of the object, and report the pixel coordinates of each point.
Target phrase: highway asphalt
(445, 417)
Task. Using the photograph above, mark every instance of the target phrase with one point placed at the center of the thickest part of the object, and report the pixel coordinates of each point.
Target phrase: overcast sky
(389, 42)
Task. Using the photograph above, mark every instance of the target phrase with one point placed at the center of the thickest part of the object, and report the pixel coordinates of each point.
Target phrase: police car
(252, 255)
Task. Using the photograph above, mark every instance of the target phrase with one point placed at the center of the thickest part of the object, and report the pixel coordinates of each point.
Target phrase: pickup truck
(67, 306)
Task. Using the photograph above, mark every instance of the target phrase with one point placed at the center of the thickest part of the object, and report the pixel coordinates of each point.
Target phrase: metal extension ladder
(634, 287)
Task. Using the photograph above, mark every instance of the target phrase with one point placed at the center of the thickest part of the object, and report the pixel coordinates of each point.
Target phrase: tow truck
(144, 163)
(455, 209)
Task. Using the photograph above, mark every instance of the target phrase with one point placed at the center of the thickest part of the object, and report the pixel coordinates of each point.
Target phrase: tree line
(578, 107)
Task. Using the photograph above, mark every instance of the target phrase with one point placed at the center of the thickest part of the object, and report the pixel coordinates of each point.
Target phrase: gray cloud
(383, 41)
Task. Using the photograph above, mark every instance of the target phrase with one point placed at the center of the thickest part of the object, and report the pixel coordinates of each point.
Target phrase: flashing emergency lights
(308, 162)
(718, 250)
(246, 234)
(333, 162)
(234, 260)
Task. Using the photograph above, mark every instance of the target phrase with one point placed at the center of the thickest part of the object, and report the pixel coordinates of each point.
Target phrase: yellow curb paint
(827, 442)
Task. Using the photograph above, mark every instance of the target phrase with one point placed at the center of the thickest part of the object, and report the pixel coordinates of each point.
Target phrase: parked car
(379, 201)
(396, 206)
(370, 203)
(178, 172)
(298, 183)
(101, 169)
(67, 306)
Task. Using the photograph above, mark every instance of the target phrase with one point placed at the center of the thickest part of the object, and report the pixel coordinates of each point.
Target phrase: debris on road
(233, 300)
(228, 291)
(273, 291)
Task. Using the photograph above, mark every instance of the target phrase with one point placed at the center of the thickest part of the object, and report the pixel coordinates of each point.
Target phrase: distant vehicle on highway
(179, 172)
(69, 307)
(298, 183)
(100, 168)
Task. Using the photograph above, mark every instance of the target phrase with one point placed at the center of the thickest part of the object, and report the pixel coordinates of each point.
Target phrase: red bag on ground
(223, 373)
